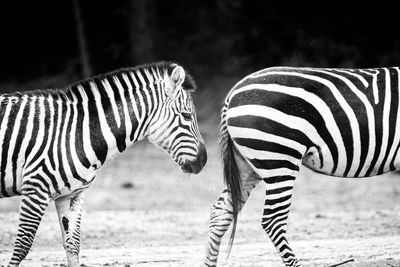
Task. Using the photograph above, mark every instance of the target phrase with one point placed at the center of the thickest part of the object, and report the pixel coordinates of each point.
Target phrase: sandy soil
(140, 215)
(158, 238)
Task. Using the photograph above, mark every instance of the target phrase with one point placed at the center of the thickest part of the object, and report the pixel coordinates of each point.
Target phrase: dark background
(218, 41)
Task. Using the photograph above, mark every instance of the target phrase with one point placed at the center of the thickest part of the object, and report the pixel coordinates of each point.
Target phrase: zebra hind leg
(276, 211)
(32, 208)
(69, 214)
(221, 215)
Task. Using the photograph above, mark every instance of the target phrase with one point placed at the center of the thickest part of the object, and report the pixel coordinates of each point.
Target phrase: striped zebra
(54, 141)
(339, 122)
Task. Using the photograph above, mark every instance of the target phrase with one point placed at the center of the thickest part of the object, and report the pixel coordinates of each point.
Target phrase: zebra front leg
(276, 211)
(32, 209)
(69, 214)
(221, 215)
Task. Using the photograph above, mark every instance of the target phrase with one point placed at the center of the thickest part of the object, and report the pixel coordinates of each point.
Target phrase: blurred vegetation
(212, 38)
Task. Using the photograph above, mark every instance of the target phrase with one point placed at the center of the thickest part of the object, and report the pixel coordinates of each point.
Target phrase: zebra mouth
(191, 167)
(186, 168)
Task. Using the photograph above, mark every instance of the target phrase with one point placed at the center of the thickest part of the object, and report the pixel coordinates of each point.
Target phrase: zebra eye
(186, 115)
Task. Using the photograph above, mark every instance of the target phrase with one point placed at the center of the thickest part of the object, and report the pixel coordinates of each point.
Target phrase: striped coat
(340, 122)
(54, 141)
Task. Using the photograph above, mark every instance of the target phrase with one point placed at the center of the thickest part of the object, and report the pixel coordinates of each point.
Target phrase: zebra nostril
(186, 167)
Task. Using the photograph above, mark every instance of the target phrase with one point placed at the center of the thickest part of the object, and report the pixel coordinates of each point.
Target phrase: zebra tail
(231, 173)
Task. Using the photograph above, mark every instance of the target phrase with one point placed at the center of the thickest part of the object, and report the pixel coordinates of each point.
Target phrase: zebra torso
(342, 122)
(63, 136)
(35, 140)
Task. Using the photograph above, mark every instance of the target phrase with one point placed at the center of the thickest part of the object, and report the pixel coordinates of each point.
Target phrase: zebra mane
(188, 84)
(164, 66)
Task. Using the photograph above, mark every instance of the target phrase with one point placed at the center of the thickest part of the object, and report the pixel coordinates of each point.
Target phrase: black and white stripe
(54, 141)
(340, 122)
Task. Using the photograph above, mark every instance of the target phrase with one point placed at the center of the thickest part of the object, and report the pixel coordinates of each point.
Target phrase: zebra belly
(320, 160)
(74, 185)
(316, 158)
(63, 183)
(10, 184)
(41, 172)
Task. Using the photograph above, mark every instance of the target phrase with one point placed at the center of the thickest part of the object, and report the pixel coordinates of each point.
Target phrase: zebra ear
(177, 79)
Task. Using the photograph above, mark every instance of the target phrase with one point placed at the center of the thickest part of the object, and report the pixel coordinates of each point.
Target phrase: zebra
(53, 142)
(335, 121)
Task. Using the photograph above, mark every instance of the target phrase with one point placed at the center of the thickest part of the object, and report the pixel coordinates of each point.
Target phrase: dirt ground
(146, 213)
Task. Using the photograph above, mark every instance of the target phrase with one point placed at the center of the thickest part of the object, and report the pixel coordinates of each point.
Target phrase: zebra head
(175, 128)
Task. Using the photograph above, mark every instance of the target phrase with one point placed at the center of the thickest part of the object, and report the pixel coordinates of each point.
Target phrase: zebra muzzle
(196, 165)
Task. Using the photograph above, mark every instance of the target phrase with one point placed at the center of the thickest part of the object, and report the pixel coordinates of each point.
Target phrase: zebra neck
(119, 107)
